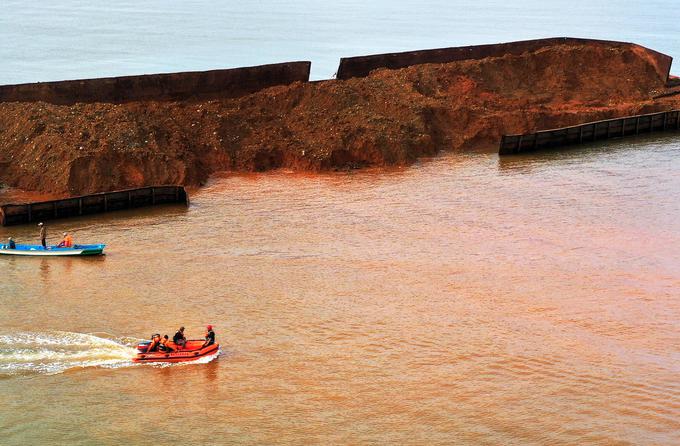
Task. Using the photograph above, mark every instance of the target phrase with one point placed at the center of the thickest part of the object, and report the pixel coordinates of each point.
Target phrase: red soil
(390, 117)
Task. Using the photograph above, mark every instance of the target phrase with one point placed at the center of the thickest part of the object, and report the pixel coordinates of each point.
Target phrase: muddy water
(467, 299)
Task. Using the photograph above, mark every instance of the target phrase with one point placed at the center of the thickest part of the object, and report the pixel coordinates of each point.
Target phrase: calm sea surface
(464, 300)
(44, 40)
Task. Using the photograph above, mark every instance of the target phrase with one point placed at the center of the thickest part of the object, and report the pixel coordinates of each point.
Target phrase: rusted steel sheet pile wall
(15, 214)
(361, 66)
(591, 131)
(173, 86)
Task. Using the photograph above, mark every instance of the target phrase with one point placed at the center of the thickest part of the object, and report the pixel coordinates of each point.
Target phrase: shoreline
(390, 116)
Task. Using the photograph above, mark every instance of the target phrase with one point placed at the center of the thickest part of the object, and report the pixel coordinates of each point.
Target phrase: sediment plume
(390, 117)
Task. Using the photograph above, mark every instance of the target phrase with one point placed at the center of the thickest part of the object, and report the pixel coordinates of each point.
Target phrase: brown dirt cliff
(389, 117)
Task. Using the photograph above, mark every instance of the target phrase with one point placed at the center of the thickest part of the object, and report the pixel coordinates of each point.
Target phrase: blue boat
(52, 251)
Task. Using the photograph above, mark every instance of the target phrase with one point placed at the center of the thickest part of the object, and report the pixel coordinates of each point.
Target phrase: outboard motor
(143, 346)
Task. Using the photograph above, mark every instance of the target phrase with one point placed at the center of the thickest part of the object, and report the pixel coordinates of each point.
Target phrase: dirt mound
(389, 117)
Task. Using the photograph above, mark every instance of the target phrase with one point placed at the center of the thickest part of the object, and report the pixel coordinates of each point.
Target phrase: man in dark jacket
(43, 235)
(209, 336)
(179, 339)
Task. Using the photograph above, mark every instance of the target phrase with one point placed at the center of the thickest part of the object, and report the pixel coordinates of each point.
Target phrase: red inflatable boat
(192, 351)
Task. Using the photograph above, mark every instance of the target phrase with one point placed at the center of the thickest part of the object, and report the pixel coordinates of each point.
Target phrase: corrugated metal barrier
(16, 214)
(591, 131)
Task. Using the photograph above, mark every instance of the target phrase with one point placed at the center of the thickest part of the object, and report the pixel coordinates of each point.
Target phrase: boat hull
(192, 352)
(52, 251)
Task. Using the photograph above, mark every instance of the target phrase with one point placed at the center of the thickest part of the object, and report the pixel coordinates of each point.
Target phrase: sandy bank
(389, 117)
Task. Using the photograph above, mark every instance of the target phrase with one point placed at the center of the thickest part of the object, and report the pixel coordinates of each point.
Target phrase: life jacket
(68, 241)
(153, 346)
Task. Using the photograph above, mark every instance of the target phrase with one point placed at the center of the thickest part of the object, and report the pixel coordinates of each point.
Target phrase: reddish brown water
(465, 300)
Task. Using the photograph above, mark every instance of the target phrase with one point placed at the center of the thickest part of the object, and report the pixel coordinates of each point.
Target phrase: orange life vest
(152, 346)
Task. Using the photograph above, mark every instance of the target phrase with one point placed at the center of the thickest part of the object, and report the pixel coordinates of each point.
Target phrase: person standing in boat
(209, 336)
(43, 235)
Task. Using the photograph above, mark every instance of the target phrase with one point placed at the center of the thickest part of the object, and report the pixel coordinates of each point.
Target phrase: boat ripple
(55, 352)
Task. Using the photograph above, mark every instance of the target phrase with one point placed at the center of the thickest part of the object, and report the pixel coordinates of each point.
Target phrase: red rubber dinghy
(192, 351)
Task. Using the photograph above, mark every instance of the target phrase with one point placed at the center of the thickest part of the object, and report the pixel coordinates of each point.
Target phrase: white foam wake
(55, 352)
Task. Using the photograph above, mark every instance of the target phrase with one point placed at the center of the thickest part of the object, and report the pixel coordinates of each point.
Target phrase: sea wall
(361, 66)
(16, 214)
(228, 83)
(590, 132)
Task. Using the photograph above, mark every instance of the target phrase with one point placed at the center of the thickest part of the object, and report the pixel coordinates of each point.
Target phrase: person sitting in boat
(155, 341)
(179, 339)
(163, 345)
(209, 336)
(66, 242)
(11, 244)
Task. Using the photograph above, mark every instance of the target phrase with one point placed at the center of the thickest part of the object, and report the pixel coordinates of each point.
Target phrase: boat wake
(55, 352)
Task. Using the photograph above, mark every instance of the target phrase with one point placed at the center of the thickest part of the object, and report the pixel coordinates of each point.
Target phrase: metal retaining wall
(361, 66)
(16, 214)
(591, 131)
(160, 87)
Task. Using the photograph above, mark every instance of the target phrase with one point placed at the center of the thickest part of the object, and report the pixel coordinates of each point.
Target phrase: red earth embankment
(388, 117)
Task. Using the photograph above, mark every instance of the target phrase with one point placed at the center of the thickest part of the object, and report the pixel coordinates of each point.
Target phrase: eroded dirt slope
(390, 117)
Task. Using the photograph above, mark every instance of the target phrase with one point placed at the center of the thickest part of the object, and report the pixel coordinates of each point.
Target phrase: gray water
(72, 39)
